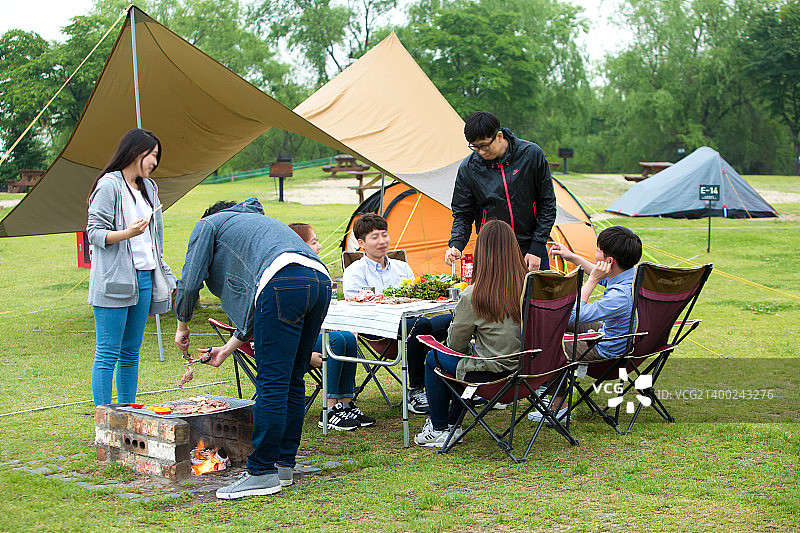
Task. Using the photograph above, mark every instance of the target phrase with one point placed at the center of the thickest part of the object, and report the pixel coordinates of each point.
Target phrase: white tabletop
(378, 319)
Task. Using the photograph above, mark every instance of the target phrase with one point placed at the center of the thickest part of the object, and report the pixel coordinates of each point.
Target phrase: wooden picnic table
(344, 163)
(361, 187)
(649, 168)
(27, 179)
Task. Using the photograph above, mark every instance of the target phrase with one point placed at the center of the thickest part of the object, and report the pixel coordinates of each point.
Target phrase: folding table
(384, 320)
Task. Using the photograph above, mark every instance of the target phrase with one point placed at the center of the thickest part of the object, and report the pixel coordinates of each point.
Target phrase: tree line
(719, 73)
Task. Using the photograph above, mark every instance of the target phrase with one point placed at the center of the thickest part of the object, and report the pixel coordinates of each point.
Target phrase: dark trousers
(545, 264)
(289, 313)
(445, 406)
(416, 351)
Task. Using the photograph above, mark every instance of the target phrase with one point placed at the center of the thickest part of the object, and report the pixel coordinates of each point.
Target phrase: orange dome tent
(421, 227)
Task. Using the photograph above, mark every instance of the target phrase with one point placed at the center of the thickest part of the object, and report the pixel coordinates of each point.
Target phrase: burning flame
(206, 460)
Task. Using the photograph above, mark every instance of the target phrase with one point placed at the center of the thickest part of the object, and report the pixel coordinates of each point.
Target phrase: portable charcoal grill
(160, 445)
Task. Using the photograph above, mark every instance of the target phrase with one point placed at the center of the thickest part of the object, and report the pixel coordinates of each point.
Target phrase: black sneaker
(418, 401)
(362, 419)
(340, 419)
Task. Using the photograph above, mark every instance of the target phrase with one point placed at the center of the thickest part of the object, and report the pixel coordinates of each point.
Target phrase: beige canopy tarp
(202, 112)
(385, 107)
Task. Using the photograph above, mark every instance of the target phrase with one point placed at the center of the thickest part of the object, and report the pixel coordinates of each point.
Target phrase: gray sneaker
(251, 486)
(418, 401)
(285, 475)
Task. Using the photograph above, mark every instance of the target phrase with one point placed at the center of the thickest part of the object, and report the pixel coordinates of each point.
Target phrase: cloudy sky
(47, 17)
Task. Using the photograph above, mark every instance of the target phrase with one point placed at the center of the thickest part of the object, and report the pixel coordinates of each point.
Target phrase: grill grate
(235, 403)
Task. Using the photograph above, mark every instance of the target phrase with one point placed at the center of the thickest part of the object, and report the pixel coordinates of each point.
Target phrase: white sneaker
(430, 437)
(536, 416)
(458, 433)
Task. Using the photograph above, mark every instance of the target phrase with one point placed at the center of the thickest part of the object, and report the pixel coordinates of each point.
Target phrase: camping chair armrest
(221, 325)
(692, 324)
(430, 341)
(595, 336)
(639, 335)
(217, 326)
(591, 340)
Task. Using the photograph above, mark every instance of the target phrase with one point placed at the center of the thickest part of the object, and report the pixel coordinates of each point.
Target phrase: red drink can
(466, 267)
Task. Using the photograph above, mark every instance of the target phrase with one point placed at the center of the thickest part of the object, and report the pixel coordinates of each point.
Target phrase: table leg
(404, 379)
(326, 340)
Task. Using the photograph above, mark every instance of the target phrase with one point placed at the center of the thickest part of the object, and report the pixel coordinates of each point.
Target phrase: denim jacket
(229, 251)
(112, 278)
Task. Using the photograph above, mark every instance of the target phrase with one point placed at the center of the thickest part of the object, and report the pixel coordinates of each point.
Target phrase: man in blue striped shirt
(618, 251)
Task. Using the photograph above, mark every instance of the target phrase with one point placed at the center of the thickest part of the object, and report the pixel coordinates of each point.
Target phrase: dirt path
(327, 191)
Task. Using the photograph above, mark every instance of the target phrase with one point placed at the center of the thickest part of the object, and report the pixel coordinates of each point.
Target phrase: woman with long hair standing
(488, 310)
(128, 278)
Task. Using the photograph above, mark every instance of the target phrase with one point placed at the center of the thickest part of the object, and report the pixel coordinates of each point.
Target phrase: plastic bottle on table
(466, 267)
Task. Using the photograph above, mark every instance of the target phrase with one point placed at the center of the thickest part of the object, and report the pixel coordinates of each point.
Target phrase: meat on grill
(187, 377)
(204, 406)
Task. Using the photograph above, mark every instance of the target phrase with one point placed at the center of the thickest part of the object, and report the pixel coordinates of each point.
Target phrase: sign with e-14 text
(709, 192)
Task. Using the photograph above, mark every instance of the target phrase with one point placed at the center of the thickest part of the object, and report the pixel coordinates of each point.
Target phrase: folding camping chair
(245, 358)
(547, 301)
(383, 349)
(660, 295)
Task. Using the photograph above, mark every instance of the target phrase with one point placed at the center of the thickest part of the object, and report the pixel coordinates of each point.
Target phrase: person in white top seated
(378, 271)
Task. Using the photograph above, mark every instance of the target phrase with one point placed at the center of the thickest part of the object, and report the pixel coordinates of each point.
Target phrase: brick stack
(147, 444)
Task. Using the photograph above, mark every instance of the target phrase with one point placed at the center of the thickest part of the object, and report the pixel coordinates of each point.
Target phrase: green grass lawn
(724, 465)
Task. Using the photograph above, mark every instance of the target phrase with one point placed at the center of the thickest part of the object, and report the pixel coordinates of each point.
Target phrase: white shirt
(368, 273)
(281, 261)
(142, 244)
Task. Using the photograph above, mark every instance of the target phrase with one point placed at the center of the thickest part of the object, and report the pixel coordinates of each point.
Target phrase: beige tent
(384, 106)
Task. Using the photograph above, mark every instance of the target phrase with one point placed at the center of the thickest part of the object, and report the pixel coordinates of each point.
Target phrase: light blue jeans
(119, 332)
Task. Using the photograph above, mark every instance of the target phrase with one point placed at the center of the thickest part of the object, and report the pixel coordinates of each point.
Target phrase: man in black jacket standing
(505, 178)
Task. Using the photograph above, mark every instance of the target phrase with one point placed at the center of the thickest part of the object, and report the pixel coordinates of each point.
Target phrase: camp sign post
(710, 193)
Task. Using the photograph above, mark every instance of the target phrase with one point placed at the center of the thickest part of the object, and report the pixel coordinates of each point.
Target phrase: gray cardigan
(112, 278)
(492, 339)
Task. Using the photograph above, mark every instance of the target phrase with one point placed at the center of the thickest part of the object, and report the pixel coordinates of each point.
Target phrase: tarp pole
(135, 72)
(383, 176)
(139, 125)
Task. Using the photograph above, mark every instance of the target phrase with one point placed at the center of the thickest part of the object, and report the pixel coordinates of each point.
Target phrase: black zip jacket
(517, 189)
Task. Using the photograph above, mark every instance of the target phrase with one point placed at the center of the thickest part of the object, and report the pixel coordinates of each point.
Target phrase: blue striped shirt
(613, 308)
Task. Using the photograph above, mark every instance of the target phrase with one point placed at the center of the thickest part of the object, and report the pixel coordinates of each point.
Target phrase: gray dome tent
(674, 192)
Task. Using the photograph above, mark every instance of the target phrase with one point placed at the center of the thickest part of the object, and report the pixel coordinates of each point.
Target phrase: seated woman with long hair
(489, 311)
(343, 415)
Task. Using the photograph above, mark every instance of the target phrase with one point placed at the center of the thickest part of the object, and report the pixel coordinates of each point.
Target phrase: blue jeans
(289, 313)
(341, 375)
(119, 332)
(415, 350)
(445, 406)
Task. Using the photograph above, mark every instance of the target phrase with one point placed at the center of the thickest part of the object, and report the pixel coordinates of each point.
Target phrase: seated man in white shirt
(377, 270)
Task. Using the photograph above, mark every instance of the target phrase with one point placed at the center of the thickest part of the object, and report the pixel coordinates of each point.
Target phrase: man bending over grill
(276, 290)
